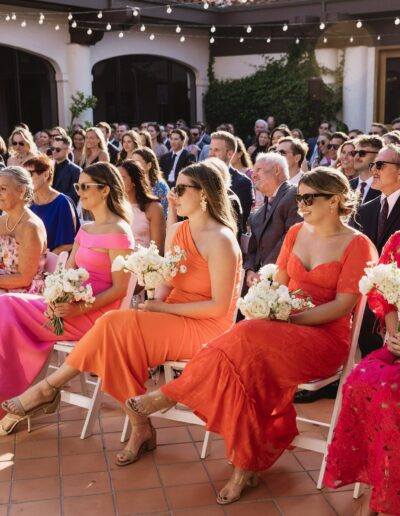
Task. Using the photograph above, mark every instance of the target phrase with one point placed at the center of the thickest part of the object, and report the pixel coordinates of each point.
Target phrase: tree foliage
(80, 103)
(280, 88)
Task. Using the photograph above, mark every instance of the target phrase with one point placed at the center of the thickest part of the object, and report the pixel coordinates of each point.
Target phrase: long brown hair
(107, 174)
(208, 178)
(149, 156)
(144, 193)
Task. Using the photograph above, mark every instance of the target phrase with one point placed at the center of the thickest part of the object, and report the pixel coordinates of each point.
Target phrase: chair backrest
(126, 301)
(53, 260)
(240, 287)
(355, 333)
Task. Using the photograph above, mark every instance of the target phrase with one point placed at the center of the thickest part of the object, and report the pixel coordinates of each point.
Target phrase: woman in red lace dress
(242, 383)
(366, 443)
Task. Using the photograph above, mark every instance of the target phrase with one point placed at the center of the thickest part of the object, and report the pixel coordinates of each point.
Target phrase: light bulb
(121, 35)
(212, 40)
(397, 21)
(206, 5)
(108, 26)
(100, 15)
(248, 29)
(143, 27)
(359, 24)
(151, 37)
(8, 17)
(169, 9)
(178, 29)
(23, 24)
(213, 29)
(285, 27)
(89, 31)
(322, 25)
(74, 24)
(268, 40)
(378, 38)
(351, 39)
(70, 17)
(13, 16)
(325, 40)
(241, 40)
(182, 39)
(297, 41)
(57, 27)
(135, 12)
(40, 21)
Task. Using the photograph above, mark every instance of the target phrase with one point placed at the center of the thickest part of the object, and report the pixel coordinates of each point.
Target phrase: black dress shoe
(329, 392)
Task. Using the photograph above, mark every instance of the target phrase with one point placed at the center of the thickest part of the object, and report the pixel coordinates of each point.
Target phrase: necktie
(363, 184)
(382, 219)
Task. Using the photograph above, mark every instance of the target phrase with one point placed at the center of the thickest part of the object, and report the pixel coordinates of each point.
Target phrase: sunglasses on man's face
(21, 144)
(56, 149)
(308, 198)
(179, 190)
(321, 142)
(333, 146)
(85, 186)
(362, 153)
(380, 164)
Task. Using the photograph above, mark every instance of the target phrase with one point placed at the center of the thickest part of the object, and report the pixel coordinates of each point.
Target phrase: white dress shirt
(392, 199)
(367, 186)
(295, 179)
(171, 176)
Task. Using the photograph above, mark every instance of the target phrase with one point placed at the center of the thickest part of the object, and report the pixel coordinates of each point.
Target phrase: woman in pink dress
(23, 319)
(365, 446)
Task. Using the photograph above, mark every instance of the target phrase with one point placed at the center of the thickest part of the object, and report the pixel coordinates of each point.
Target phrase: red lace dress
(366, 443)
(242, 383)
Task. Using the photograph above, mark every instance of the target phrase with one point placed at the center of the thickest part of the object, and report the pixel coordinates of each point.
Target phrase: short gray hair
(22, 178)
(261, 121)
(274, 158)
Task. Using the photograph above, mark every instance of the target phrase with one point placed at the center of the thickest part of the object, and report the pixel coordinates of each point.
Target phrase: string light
(212, 40)
(8, 18)
(241, 40)
(13, 16)
(89, 31)
(248, 29)
(69, 16)
(108, 26)
(325, 40)
(359, 24)
(152, 37)
(268, 40)
(397, 21)
(178, 29)
(297, 41)
(206, 5)
(169, 9)
(213, 29)
(135, 12)
(121, 35)
(100, 15)
(285, 27)
(74, 24)
(322, 25)
(41, 19)
(57, 27)
(351, 39)
(182, 39)
(378, 38)
(142, 27)
(23, 24)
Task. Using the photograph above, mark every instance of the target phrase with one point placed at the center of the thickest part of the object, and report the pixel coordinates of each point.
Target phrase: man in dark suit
(271, 222)
(112, 149)
(366, 149)
(66, 173)
(223, 146)
(177, 158)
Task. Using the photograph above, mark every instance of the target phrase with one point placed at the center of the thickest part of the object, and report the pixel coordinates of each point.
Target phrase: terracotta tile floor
(52, 472)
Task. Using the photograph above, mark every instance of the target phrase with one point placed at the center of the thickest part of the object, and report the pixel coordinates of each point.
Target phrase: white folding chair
(321, 444)
(53, 260)
(181, 412)
(85, 400)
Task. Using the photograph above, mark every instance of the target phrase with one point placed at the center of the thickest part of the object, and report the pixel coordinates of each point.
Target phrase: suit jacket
(112, 152)
(371, 194)
(166, 162)
(311, 142)
(243, 188)
(268, 229)
(65, 175)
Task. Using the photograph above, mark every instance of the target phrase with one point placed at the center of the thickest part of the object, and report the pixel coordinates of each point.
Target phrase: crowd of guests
(321, 209)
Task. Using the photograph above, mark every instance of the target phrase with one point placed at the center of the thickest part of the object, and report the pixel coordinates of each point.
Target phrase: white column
(355, 79)
(328, 58)
(201, 89)
(80, 75)
(63, 99)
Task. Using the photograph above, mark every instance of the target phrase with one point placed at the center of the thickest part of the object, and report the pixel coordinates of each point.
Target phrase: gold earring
(203, 203)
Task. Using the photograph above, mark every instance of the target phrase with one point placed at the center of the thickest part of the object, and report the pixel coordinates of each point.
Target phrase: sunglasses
(85, 186)
(380, 164)
(195, 134)
(333, 146)
(322, 142)
(55, 149)
(375, 132)
(362, 153)
(21, 144)
(179, 190)
(308, 198)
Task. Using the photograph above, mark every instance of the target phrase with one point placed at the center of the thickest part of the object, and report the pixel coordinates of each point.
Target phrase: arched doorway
(137, 88)
(28, 91)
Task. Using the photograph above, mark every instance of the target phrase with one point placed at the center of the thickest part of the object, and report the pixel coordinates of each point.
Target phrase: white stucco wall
(236, 67)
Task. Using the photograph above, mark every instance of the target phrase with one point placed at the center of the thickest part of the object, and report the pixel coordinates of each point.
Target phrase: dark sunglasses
(55, 149)
(377, 133)
(333, 146)
(380, 164)
(362, 153)
(179, 190)
(21, 144)
(195, 134)
(308, 198)
(85, 186)
(321, 142)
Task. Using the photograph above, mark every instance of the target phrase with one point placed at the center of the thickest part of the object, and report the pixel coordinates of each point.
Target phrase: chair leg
(205, 445)
(93, 411)
(358, 490)
(125, 430)
(82, 379)
(322, 471)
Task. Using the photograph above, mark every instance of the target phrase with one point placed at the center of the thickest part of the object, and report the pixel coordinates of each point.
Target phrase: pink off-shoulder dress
(25, 341)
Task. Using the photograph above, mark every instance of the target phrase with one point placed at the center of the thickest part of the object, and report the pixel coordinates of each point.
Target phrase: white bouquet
(66, 286)
(151, 269)
(383, 278)
(266, 299)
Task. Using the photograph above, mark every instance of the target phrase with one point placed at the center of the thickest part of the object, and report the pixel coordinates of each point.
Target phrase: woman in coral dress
(253, 371)
(365, 446)
(122, 345)
(23, 319)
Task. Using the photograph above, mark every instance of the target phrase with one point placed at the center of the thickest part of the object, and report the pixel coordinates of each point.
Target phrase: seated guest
(177, 158)
(78, 142)
(294, 152)
(112, 150)
(66, 173)
(345, 161)
(122, 345)
(23, 320)
(366, 149)
(279, 132)
(365, 446)
(270, 223)
(320, 156)
(130, 142)
(56, 210)
(21, 147)
(242, 383)
(95, 148)
(148, 161)
(223, 146)
(148, 216)
(22, 236)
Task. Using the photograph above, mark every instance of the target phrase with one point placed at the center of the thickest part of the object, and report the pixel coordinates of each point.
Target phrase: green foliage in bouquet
(282, 88)
(80, 103)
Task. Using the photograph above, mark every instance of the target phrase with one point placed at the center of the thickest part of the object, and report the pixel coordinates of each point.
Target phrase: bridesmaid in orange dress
(253, 371)
(123, 344)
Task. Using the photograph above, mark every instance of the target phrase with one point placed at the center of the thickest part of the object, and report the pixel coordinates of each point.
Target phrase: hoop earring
(203, 203)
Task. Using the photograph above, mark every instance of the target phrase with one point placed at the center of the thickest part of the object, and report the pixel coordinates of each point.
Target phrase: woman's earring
(203, 203)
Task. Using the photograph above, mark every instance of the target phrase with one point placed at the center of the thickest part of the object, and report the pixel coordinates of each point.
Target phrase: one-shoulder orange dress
(123, 344)
(242, 383)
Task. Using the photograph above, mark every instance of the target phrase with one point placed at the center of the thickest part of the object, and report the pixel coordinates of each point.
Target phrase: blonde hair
(26, 136)
(102, 143)
(329, 181)
(222, 168)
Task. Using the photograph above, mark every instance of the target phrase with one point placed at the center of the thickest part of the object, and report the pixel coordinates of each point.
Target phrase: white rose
(365, 285)
(118, 264)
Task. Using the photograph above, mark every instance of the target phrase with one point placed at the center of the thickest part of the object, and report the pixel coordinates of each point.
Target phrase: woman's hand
(171, 197)
(67, 309)
(152, 305)
(393, 344)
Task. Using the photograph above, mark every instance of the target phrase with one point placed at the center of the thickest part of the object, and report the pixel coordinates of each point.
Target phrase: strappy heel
(146, 446)
(150, 403)
(14, 423)
(246, 478)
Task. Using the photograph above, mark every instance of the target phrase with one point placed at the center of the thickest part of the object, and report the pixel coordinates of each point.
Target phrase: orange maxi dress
(123, 344)
(242, 383)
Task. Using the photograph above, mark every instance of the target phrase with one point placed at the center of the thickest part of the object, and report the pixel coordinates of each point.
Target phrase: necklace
(10, 230)
(46, 201)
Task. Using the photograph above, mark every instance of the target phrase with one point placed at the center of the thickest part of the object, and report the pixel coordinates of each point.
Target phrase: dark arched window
(137, 88)
(28, 91)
